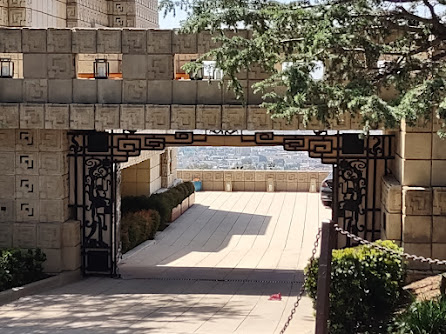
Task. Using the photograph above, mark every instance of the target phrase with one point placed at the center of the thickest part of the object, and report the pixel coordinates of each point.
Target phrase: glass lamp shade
(101, 69)
(6, 68)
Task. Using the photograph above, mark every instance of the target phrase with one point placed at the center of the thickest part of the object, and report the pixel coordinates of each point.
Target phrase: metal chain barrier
(302, 289)
(385, 249)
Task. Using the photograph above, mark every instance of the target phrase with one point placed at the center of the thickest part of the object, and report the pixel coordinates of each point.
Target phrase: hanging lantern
(199, 75)
(101, 69)
(6, 68)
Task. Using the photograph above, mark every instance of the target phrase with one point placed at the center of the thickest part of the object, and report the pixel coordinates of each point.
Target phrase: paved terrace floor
(211, 271)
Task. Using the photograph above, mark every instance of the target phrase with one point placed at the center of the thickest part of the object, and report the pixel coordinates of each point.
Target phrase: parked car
(327, 191)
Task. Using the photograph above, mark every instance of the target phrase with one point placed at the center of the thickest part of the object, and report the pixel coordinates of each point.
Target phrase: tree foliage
(369, 48)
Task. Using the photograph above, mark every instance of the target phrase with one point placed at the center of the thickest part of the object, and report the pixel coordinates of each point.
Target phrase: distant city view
(247, 158)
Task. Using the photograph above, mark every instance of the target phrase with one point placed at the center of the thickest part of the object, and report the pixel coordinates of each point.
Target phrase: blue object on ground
(198, 185)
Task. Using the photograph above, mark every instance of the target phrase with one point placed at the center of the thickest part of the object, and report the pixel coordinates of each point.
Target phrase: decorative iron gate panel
(359, 164)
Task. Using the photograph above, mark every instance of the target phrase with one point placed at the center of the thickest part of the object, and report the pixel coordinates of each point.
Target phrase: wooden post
(323, 282)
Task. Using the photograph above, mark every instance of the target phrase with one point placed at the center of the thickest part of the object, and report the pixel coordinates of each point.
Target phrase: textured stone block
(438, 173)
(26, 187)
(49, 235)
(53, 210)
(35, 66)
(60, 66)
(85, 91)
(391, 225)
(417, 229)
(159, 91)
(26, 163)
(418, 172)
(7, 184)
(53, 187)
(259, 119)
(60, 91)
(7, 210)
(160, 67)
(27, 210)
(11, 90)
(53, 163)
(419, 249)
(9, 116)
(20, 17)
(185, 43)
(57, 116)
(34, 40)
(209, 92)
(157, 117)
(183, 117)
(109, 91)
(208, 117)
(159, 41)
(439, 201)
(32, 116)
(109, 41)
(25, 235)
(439, 229)
(10, 40)
(256, 72)
(82, 117)
(132, 117)
(134, 41)
(84, 41)
(134, 91)
(71, 258)
(229, 96)
(234, 118)
(206, 42)
(106, 117)
(53, 140)
(27, 140)
(59, 40)
(134, 66)
(421, 125)
(53, 263)
(438, 147)
(415, 145)
(184, 92)
(391, 194)
(417, 201)
(35, 90)
(6, 232)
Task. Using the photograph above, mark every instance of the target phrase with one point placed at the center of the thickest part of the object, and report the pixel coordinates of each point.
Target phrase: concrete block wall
(34, 208)
(216, 180)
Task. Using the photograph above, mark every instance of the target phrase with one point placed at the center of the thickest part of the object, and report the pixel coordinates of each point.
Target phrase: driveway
(211, 271)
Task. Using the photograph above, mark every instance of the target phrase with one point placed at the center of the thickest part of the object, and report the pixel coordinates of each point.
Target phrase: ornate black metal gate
(358, 164)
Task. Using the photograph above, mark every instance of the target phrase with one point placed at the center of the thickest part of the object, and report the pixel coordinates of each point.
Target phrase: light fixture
(101, 69)
(6, 68)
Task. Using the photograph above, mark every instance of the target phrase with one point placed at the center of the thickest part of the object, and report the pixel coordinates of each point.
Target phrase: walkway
(211, 271)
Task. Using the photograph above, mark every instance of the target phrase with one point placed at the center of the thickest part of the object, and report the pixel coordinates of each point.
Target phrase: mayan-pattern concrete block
(34, 40)
(109, 41)
(54, 210)
(60, 66)
(159, 91)
(25, 235)
(258, 119)
(134, 41)
(417, 229)
(9, 116)
(7, 184)
(10, 40)
(53, 163)
(257, 72)
(134, 66)
(106, 117)
(6, 232)
(218, 176)
(53, 140)
(134, 91)
(391, 194)
(209, 117)
(84, 41)
(160, 67)
(233, 118)
(27, 210)
(209, 92)
(183, 117)
(157, 117)
(49, 235)
(439, 201)
(53, 263)
(391, 225)
(312, 124)
(7, 210)
(228, 175)
(26, 163)
(109, 91)
(26, 187)
(82, 117)
(35, 90)
(11, 90)
(20, 17)
(185, 43)
(35, 66)
(60, 91)
(85, 91)
(32, 116)
(285, 124)
(417, 201)
(57, 116)
(26, 140)
(59, 40)
(53, 187)
(132, 117)
(71, 258)
(159, 41)
(184, 92)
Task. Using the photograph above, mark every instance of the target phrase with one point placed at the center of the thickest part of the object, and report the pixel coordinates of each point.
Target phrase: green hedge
(19, 267)
(366, 286)
(163, 202)
(137, 227)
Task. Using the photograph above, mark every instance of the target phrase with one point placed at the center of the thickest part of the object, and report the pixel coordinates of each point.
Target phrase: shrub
(137, 227)
(190, 187)
(19, 267)
(422, 317)
(366, 285)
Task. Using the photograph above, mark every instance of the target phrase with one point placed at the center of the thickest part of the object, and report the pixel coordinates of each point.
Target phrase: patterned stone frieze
(439, 198)
(109, 41)
(32, 116)
(26, 163)
(27, 186)
(157, 117)
(9, 116)
(417, 201)
(27, 210)
(60, 66)
(82, 117)
(208, 117)
(20, 17)
(132, 117)
(134, 41)
(185, 43)
(106, 117)
(59, 40)
(258, 119)
(57, 116)
(10, 40)
(84, 40)
(233, 117)
(159, 41)
(391, 194)
(183, 117)
(34, 40)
